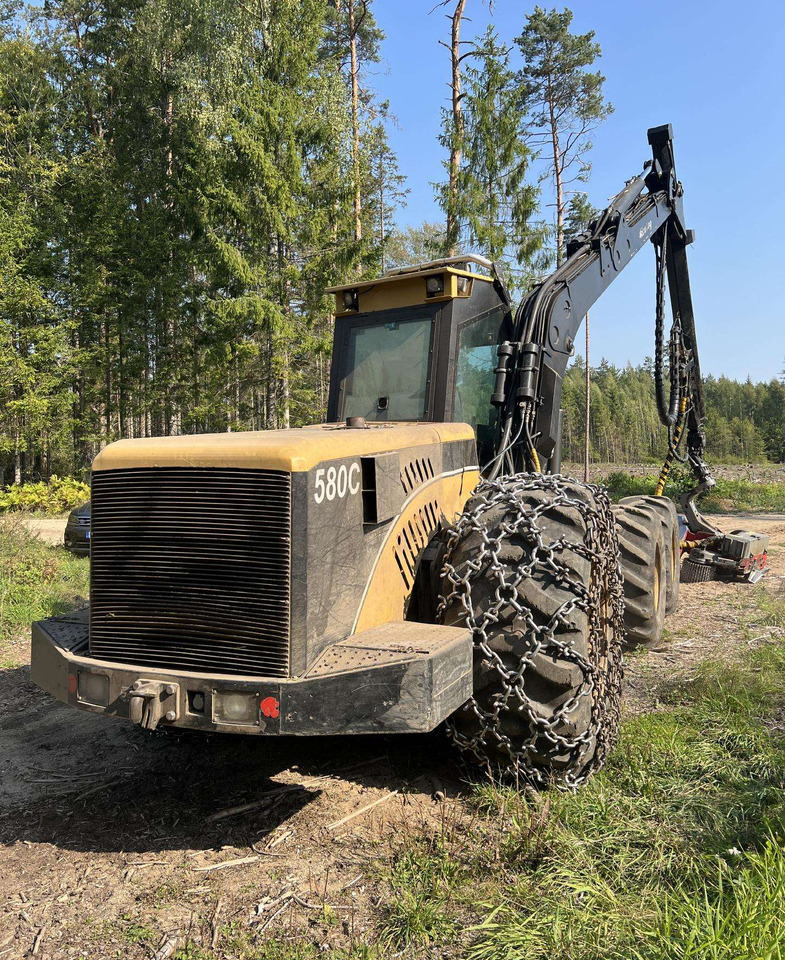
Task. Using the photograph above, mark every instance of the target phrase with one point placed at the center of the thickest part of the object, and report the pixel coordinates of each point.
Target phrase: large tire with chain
(531, 567)
(643, 564)
(666, 510)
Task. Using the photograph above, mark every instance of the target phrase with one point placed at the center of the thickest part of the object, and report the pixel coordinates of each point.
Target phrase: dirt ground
(48, 529)
(115, 842)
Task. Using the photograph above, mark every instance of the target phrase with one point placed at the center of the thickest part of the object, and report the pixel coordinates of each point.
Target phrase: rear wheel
(666, 511)
(531, 567)
(643, 555)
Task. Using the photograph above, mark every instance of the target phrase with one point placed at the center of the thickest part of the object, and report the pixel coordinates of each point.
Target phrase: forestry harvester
(417, 559)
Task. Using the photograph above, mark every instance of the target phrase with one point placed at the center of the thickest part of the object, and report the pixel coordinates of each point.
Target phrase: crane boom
(531, 368)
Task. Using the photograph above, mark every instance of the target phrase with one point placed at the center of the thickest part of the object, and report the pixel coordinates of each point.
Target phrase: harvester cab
(420, 344)
(418, 558)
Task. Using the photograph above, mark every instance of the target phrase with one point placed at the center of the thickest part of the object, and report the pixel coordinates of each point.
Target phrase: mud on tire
(532, 568)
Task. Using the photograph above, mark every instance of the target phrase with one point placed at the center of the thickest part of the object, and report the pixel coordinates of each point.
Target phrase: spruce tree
(495, 205)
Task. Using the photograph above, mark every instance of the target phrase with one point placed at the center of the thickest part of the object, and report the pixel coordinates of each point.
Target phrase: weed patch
(36, 581)
(660, 855)
(728, 496)
(52, 496)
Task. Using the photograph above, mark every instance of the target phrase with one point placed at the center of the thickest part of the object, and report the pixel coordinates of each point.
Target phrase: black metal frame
(529, 379)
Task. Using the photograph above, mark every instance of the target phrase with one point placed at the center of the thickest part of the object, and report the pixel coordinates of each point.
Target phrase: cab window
(474, 381)
(388, 366)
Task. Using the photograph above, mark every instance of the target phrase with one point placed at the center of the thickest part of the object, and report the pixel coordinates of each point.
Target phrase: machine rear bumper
(398, 678)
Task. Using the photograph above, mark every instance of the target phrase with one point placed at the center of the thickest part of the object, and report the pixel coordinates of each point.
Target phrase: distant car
(77, 530)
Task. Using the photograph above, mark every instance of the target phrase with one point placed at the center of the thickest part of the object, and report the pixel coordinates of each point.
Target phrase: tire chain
(604, 634)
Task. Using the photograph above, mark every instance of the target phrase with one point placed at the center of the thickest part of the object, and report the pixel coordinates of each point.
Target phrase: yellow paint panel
(292, 450)
(390, 587)
(407, 290)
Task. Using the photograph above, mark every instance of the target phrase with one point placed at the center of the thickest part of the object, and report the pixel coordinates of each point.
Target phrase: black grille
(190, 569)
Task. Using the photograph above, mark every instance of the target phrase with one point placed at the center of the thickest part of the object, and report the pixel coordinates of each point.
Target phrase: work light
(351, 300)
(434, 285)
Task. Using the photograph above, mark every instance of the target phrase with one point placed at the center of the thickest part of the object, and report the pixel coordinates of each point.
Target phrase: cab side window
(474, 381)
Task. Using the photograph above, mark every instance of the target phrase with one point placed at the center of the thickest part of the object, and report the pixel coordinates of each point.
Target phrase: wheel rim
(657, 579)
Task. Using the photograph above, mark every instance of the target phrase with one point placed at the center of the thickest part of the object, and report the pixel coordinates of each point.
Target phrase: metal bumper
(398, 678)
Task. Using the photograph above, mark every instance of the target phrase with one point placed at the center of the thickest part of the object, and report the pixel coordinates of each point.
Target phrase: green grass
(424, 880)
(36, 581)
(729, 496)
(674, 851)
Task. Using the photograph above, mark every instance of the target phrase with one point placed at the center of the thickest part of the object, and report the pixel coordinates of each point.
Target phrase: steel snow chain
(602, 602)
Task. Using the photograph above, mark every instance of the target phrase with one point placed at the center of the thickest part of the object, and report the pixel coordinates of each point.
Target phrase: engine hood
(295, 451)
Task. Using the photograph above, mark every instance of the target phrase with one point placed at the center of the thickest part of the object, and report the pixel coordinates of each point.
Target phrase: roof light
(351, 299)
(434, 285)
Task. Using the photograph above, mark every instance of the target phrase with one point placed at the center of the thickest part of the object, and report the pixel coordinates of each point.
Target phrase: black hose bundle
(668, 410)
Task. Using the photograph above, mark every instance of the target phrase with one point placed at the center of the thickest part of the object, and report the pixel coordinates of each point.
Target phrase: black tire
(666, 510)
(531, 566)
(692, 572)
(643, 565)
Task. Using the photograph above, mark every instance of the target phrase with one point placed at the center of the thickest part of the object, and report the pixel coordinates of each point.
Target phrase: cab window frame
(459, 329)
(340, 363)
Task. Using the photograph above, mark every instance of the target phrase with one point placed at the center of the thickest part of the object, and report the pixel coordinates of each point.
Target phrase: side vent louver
(415, 473)
(414, 538)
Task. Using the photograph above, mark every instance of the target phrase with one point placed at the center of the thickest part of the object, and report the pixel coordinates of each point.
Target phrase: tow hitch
(150, 701)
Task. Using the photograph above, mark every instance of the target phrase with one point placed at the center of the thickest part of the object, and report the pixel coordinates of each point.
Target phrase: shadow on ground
(89, 783)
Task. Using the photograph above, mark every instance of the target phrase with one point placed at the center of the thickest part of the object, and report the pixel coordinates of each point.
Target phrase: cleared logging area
(118, 843)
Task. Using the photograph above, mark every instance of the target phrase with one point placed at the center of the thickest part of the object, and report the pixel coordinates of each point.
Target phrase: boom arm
(531, 368)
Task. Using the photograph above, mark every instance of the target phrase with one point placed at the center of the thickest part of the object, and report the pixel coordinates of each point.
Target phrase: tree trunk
(456, 141)
(382, 224)
(358, 227)
(557, 175)
(17, 456)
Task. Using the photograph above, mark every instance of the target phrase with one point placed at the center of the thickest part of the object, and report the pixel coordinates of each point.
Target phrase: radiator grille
(190, 569)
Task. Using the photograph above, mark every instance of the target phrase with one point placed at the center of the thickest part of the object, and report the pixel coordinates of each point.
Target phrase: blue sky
(714, 71)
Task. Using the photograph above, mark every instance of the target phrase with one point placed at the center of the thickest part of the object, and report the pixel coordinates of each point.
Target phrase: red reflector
(72, 683)
(269, 707)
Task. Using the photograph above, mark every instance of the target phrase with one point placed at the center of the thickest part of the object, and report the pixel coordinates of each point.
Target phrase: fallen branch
(214, 925)
(37, 942)
(102, 786)
(365, 809)
(225, 864)
(318, 906)
(266, 798)
(280, 839)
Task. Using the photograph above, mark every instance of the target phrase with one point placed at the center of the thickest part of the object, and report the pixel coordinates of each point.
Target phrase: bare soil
(751, 472)
(48, 529)
(115, 842)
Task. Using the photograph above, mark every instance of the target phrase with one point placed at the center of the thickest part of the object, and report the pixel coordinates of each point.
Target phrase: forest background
(180, 179)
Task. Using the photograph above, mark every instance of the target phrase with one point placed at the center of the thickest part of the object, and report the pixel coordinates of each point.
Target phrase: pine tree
(564, 100)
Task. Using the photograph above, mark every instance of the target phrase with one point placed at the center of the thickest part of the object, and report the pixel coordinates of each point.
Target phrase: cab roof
(410, 286)
(459, 265)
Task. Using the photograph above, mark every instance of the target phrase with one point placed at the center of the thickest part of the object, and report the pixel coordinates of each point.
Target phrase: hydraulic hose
(668, 411)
